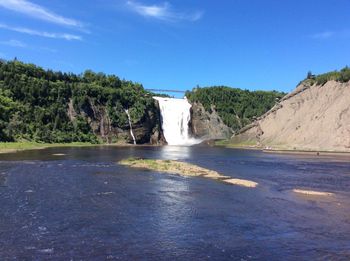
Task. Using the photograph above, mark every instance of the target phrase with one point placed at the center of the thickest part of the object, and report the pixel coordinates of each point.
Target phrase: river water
(84, 206)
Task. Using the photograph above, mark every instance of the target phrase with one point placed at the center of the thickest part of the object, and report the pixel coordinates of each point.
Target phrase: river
(79, 204)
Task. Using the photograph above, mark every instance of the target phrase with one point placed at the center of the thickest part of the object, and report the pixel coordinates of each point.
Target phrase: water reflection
(176, 152)
(173, 212)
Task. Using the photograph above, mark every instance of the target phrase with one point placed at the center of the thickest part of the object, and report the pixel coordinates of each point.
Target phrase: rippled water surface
(79, 204)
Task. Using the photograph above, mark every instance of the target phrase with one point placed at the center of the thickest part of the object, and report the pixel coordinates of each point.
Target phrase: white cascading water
(131, 132)
(175, 118)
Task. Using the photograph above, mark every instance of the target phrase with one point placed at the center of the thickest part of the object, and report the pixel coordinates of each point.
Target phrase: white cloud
(14, 43)
(24, 30)
(39, 12)
(323, 35)
(20, 44)
(163, 12)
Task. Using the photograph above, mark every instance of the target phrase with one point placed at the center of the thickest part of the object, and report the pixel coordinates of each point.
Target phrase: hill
(315, 116)
(55, 107)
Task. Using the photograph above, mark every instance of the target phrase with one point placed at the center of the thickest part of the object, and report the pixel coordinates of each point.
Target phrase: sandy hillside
(310, 118)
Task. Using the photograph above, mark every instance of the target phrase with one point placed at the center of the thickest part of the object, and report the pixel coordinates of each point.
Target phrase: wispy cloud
(39, 12)
(14, 43)
(323, 35)
(163, 12)
(24, 30)
(20, 44)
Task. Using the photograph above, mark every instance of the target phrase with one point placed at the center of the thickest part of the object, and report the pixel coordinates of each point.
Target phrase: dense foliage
(34, 102)
(236, 107)
(340, 76)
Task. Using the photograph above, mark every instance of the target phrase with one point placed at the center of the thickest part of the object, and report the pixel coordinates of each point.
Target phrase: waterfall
(175, 118)
(131, 132)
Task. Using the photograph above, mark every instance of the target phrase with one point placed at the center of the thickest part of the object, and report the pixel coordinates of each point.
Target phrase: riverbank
(274, 150)
(243, 145)
(308, 152)
(184, 169)
(10, 147)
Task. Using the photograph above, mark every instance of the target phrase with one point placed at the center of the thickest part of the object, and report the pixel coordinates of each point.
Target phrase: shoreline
(13, 147)
(308, 152)
(290, 151)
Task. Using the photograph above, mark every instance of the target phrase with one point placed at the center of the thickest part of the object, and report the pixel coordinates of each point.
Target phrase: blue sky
(250, 44)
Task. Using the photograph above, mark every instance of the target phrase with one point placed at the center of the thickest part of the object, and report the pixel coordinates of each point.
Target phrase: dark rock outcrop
(149, 130)
(157, 137)
(207, 126)
(146, 131)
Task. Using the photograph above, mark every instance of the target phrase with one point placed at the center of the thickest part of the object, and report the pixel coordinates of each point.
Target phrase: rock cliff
(146, 131)
(206, 125)
(312, 117)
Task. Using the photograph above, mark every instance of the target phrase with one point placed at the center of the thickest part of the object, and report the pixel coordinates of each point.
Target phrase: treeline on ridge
(340, 76)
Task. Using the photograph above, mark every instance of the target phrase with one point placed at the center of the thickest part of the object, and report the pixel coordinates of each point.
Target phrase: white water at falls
(175, 118)
(131, 132)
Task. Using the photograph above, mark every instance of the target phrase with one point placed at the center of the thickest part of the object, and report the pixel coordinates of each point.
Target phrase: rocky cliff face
(146, 131)
(310, 118)
(206, 125)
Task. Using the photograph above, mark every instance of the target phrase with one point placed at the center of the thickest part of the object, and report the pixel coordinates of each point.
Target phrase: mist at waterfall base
(176, 115)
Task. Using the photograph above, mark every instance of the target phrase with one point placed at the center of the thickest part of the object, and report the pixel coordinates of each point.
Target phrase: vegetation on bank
(230, 144)
(236, 107)
(34, 103)
(27, 145)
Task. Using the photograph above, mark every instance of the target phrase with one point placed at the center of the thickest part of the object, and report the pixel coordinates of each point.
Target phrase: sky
(247, 44)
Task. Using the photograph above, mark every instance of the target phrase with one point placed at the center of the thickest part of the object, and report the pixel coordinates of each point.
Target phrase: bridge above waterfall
(170, 92)
(165, 90)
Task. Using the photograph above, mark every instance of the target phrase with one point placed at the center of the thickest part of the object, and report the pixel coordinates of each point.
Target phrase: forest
(34, 103)
(236, 107)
